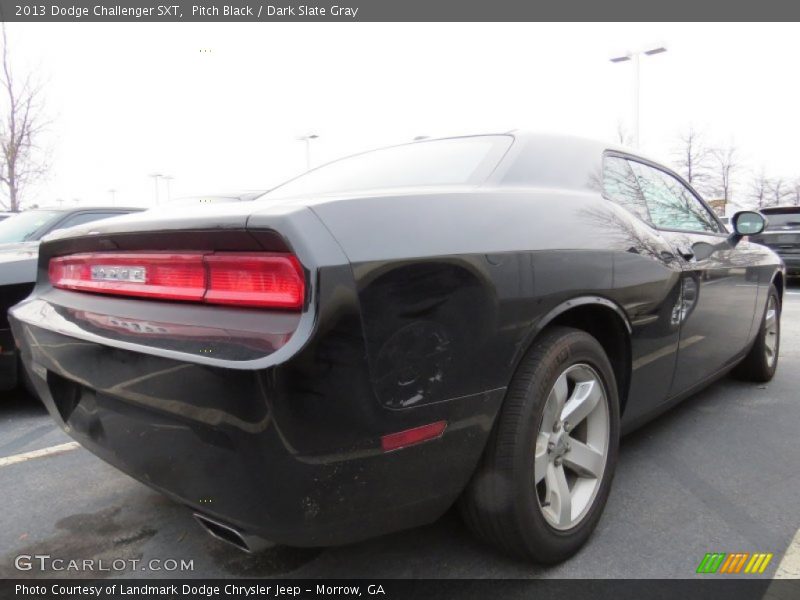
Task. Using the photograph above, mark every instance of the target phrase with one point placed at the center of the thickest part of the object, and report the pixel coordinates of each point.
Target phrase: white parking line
(789, 567)
(18, 458)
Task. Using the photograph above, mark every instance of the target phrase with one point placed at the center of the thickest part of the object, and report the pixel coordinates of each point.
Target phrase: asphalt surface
(719, 473)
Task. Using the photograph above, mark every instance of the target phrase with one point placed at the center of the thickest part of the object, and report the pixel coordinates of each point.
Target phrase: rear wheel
(761, 362)
(546, 473)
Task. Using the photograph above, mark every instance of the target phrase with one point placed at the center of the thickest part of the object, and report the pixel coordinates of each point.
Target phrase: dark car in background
(782, 234)
(471, 320)
(20, 236)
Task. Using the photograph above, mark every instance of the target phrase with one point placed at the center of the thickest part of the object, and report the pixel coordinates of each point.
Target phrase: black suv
(783, 235)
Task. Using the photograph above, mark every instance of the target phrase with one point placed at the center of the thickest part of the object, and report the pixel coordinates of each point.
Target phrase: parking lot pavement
(716, 474)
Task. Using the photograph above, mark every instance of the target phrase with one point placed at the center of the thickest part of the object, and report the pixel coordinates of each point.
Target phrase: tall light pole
(635, 57)
(155, 177)
(307, 139)
(168, 179)
(113, 193)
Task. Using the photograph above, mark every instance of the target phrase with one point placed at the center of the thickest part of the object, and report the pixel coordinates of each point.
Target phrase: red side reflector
(242, 279)
(409, 437)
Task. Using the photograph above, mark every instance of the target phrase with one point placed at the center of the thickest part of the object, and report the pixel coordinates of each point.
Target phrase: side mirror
(748, 223)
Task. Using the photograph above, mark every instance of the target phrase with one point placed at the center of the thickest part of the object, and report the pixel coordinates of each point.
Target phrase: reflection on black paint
(423, 325)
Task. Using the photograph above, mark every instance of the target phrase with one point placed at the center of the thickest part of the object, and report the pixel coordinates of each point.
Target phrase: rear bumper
(289, 452)
(792, 262)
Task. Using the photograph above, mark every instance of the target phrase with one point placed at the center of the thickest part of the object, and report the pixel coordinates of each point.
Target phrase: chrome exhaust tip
(226, 533)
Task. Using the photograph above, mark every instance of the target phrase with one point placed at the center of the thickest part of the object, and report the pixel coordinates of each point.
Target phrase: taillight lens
(150, 275)
(242, 279)
(255, 280)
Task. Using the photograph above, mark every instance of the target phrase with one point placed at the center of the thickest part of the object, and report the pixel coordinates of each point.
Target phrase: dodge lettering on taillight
(119, 273)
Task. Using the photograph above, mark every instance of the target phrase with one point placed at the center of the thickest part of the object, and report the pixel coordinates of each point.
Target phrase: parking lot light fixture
(635, 58)
(155, 177)
(307, 139)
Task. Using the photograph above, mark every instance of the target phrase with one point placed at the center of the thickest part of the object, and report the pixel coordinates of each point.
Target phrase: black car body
(19, 248)
(429, 273)
(783, 235)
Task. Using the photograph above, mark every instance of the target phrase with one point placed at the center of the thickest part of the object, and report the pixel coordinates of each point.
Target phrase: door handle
(685, 252)
(667, 256)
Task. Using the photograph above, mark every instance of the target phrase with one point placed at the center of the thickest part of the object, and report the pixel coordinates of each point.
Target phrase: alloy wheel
(572, 446)
(771, 331)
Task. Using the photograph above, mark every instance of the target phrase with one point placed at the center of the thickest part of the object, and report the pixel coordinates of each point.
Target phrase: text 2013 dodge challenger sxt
(471, 319)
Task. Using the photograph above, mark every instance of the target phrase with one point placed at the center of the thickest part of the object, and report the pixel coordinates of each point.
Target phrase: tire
(503, 504)
(761, 362)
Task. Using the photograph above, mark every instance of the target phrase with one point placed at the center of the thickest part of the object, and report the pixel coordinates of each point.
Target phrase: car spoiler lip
(301, 230)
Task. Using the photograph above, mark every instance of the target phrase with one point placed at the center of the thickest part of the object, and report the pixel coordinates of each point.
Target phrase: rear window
(456, 161)
(783, 220)
(25, 226)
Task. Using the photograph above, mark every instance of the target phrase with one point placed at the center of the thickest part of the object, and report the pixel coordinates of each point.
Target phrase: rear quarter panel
(452, 287)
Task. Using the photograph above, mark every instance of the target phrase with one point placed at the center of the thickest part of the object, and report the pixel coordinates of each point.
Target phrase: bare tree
(22, 122)
(725, 165)
(796, 192)
(760, 189)
(692, 157)
(779, 191)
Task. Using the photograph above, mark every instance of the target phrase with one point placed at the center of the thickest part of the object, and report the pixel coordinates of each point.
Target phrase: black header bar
(711, 588)
(399, 10)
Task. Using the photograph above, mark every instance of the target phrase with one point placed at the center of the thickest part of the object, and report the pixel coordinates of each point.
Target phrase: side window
(82, 218)
(621, 186)
(670, 203)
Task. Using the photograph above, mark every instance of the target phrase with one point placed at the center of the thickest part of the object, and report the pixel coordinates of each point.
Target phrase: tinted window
(455, 161)
(24, 226)
(82, 218)
(670, 203)
(621, 186)
(783, 220)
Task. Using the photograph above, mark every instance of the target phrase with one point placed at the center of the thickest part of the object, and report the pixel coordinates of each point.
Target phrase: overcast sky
(219, 106)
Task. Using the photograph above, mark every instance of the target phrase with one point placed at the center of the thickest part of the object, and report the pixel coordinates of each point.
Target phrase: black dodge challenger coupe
(471, 320)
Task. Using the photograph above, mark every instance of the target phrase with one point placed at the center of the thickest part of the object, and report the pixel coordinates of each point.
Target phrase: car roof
(778, 210)
(583, 156)
(589, 145)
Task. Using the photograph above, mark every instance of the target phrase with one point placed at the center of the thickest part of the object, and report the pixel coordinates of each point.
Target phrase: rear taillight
(242, 279)
(255, 280)
(150, 275)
